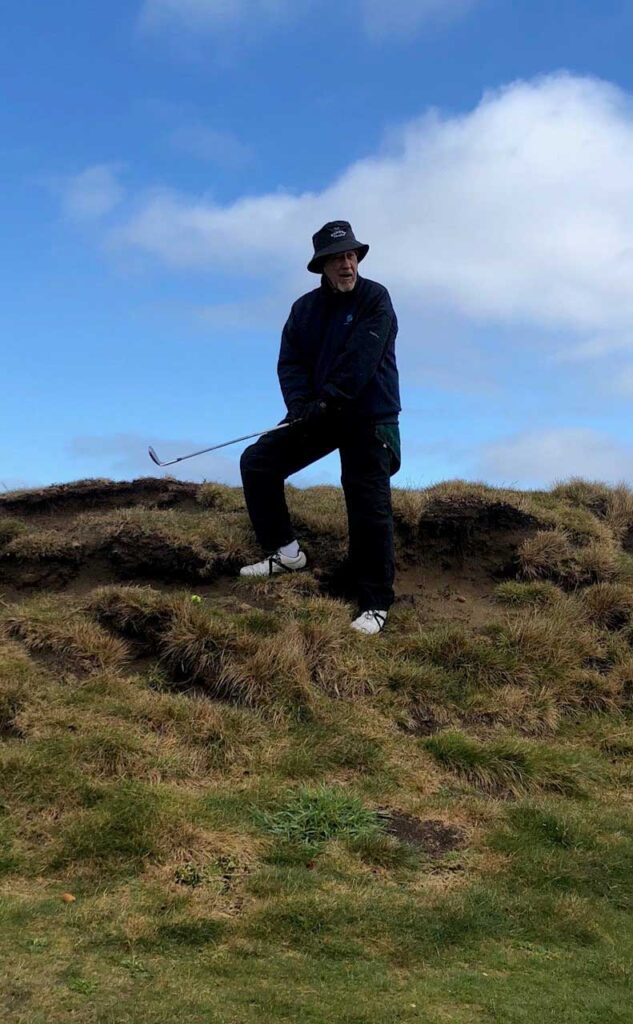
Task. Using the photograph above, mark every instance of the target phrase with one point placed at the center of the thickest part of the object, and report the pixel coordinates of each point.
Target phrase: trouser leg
(365, 476)
(265, 466)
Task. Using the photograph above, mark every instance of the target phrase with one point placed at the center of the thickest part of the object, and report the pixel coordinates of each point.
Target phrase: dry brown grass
(44, 544)
(612, 504)
(578, 543)
(220, 497)
(18, 677)
(268, 672)
(334, 659)
(287, 590)
(620, 509)
(551, 554)
(138, 613)
(45, 626)
(142, 785)
(530, 671)
(318, 511)
(10, 528)
(459, 490)
(253, 658)
(533, 712)
(608, 605)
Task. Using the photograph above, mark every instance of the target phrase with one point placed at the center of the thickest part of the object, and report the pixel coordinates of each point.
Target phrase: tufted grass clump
(509, 765)
(518, 594)
(47, 626)
(312, 816)
(555, 555)
(10, 528)
(136, 613)
(609, 605)
(220, 497)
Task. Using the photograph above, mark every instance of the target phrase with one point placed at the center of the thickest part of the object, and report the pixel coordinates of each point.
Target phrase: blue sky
(165, 163)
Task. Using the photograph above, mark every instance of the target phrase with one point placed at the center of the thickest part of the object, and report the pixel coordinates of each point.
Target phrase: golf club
(154, 457)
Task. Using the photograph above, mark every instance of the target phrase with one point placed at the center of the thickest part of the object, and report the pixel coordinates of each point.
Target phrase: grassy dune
(234, 809)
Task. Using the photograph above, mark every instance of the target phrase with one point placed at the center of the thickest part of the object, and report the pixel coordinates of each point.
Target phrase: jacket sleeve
(294, 376)
(357, 363)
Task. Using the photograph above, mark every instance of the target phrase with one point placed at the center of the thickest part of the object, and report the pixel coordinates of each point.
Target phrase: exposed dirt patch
(447, 567)
(135, 552)
(9, 730)
(453, 534)
(100, 494)
(433, 837)
(440, 595)
(130, 554)
(42, 573)
(422, 720)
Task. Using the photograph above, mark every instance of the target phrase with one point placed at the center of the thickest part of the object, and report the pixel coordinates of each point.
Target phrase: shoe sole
(267, 575)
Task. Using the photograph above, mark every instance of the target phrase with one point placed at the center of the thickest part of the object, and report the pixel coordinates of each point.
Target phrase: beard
(343, 284)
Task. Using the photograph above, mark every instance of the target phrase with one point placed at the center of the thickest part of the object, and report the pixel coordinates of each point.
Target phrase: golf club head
(153, 456)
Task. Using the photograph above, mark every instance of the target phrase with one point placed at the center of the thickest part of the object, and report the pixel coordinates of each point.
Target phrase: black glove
(315, 412)
(296, 410)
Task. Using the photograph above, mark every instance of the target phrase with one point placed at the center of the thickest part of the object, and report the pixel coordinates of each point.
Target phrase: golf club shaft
(214, 447)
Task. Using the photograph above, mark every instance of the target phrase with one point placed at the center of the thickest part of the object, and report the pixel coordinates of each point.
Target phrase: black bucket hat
(334, 237)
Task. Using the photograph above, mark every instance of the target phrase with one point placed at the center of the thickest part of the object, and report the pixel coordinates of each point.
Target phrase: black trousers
(366, 466)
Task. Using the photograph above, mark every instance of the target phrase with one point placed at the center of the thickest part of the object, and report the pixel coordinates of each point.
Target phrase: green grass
(521, 594)
(312, 816)
(213, 782)
(514, 766)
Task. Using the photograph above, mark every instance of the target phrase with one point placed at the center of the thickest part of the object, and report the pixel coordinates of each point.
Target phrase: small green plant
(190, 874)
(519, 595)
(312, 816)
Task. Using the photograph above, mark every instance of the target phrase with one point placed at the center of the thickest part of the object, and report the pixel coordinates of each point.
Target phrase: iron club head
(153, 456)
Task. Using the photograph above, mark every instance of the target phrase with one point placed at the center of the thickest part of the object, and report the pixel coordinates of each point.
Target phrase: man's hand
(296, 411)
(314, 412)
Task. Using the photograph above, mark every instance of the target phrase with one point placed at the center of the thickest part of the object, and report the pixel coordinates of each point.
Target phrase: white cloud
(206, 143)
(519, 212)
(213, 15)
(377, 18)
(400, 19)
(253, 234)
(623, 381)
(596, 347)
(539, 458)
(93, 193)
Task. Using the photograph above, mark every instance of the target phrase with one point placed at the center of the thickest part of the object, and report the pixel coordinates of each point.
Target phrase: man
(339, 379)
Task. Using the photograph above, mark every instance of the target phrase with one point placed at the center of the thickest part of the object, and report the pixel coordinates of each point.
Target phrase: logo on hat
(339, 233)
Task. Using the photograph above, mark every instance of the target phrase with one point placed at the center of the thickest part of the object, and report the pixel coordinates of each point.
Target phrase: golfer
(339, 379)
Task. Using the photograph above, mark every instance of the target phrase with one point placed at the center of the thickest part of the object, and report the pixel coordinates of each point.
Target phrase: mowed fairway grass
(235, 810)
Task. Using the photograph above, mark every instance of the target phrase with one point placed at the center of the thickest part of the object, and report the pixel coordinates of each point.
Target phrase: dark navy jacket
(341, 345)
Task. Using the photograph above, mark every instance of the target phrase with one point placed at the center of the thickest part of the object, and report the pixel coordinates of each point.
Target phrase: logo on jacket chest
(348, 318)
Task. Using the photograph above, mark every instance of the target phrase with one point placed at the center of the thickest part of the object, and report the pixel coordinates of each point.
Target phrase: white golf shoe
(275, 564)
(370, 622)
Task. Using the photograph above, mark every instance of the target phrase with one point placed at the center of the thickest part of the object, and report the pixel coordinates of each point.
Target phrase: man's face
(342, 270)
